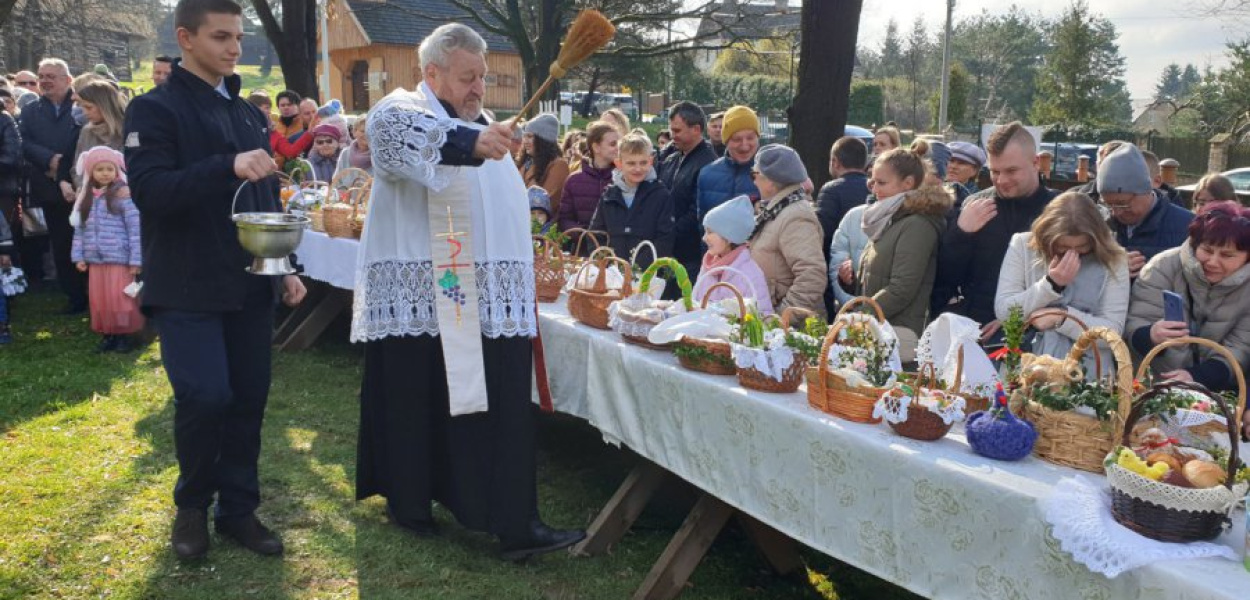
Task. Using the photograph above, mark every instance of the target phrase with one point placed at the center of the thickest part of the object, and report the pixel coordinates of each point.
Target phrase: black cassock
(480, 466)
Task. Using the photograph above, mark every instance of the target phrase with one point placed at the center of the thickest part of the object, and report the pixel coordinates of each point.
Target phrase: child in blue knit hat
(726, 231)
(540, 210)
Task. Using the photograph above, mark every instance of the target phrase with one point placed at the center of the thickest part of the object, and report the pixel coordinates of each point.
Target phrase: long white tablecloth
(932, 517)
(329, 259)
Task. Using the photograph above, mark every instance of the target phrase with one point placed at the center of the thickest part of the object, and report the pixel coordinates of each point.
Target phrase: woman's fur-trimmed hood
(928, 200)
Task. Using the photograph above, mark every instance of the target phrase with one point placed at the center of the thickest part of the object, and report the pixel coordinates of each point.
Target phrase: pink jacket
(752, 278)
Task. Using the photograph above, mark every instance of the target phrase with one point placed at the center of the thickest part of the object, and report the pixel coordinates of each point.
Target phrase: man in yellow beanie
(730, 175)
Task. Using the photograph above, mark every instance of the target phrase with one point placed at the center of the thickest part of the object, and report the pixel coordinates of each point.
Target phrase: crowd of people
(911, 228)
(124, 189)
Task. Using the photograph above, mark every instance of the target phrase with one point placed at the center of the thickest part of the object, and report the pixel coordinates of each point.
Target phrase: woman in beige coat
(787, 237)
(1211, 273)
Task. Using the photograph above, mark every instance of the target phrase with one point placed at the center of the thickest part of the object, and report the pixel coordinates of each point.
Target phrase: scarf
(767, 215)
(725, 260)
(879, 214)
(360, 159)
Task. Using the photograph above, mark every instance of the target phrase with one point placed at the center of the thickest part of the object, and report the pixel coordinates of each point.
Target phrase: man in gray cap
(1145, 222)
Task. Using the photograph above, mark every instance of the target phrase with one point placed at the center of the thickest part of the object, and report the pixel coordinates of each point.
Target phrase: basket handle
(549, 251)
(1123, 379)
(1165, 387)
(822, 367)
(931, 371)
(582, 233)
(742, 304)
(787, 316)
(1059, 312)
(279, 174)
(600, 252)
(633, 254)
(355, 173)
(683, 279)
(601, 282)
(1240, 376)
(754, 292)
(858, 300)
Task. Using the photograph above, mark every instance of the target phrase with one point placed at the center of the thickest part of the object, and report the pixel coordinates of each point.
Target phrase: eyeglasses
(324, 142)
(1115, 208)
(27, 83)
(754, 174)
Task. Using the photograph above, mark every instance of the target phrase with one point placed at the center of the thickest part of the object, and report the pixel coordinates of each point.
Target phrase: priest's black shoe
(122, 344)
(540, 539)
(418, 527)
(251, 534)
(190, 534)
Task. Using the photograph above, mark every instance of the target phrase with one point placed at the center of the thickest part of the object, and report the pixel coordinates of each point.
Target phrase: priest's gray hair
(438, 46)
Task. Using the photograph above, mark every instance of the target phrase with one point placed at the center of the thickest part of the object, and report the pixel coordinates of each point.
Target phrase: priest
(444, 303)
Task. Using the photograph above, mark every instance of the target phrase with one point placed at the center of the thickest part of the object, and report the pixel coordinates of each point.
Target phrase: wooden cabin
(373, 50)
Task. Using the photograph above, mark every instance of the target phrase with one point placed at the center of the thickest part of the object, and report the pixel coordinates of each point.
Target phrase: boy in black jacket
(190, 144)
(636, 207)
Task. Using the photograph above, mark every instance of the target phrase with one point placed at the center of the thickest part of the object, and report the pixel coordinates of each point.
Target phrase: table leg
(622, 509)
(317, 291)
(688, 546)
(324, 313)
(780, 550)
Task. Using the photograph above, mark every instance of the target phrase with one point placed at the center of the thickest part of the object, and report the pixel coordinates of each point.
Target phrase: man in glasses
(27, 81)
(1143, 219)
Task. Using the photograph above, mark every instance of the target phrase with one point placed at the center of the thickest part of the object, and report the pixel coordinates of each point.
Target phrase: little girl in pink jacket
(727, 228)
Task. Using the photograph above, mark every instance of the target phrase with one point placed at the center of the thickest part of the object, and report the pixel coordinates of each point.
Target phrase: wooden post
(1046, 159)
(687, 548)
(780, 550)
(622, 509)
(1217, 159)
(1082, 169)
(1170, 171)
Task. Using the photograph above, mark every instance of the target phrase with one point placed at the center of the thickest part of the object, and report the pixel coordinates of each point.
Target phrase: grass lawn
(87, 466)
(142, 79)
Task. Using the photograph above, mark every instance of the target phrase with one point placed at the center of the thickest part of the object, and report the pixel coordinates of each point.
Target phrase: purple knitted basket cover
(1001, 438)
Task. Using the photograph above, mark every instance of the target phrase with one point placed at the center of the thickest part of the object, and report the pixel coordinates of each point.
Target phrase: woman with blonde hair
(886, 139)
(618, 120)
(1069, 261)
(105, 111)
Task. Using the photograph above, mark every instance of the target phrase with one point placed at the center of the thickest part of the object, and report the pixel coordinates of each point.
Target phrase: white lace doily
(893, 405)
(1216, 499)
(1079, 509)
(12, 281)
(773, 360)
(644, 313)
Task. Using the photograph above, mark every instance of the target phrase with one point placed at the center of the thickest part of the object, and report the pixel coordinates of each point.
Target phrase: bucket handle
(279, 174)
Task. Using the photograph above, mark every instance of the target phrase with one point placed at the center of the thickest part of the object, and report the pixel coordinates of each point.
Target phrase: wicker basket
(339, 217)
(923, 424)
(350, 178)
(318, 220)
(548, 270)
(719, 348)
(1213, 426)
(971, 403)
(1165, 512)
(574, 261)
(791, 378)
(590, 305)
(827, 391)
(1083, 441)
(635, 325)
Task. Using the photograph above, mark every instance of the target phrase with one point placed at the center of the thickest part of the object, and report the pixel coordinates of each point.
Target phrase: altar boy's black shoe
(540, 539)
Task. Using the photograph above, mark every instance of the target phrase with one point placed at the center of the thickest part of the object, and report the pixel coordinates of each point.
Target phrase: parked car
(1239, 177)
(1067, 158)
(861, 133)
(623, 102)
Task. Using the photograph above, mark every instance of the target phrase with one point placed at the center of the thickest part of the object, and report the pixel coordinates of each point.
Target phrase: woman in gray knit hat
(541, 162)
(786, 242)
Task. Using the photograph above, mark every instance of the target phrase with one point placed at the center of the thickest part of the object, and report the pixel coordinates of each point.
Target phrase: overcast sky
(1152, 34)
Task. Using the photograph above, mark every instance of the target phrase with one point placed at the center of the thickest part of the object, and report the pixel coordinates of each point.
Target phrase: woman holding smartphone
(1211, 274)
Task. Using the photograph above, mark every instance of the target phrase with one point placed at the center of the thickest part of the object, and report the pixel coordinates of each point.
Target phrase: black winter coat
(680, 174)
(46, 133)
(650, 218)
(837, 198)
(969, 263)
(181, 141)
(10, 156)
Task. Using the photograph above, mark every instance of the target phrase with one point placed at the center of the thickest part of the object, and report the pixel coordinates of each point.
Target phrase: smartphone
(1173, 307)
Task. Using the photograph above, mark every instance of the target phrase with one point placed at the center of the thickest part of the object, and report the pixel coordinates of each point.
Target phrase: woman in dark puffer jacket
(583, 189)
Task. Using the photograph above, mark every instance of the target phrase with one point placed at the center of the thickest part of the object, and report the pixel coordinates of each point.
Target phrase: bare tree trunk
(826, 61)
(295, 41)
